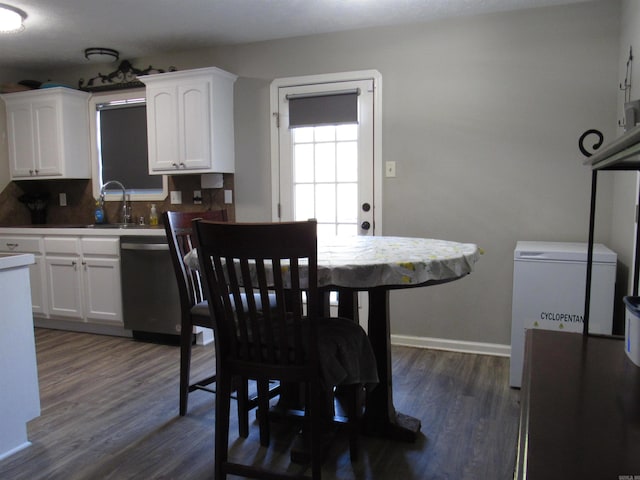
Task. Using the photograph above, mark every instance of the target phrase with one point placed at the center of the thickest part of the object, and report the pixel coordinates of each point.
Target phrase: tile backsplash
(81, 202)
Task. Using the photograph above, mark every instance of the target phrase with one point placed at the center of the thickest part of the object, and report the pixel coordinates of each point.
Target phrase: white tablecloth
(365, 262)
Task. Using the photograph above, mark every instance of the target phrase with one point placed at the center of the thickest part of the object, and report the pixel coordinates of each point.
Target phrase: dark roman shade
(331, 108)
(123, 145)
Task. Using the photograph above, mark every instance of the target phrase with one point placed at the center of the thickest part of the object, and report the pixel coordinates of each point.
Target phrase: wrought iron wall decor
(126, 76)
(595, 146)
(626, 85)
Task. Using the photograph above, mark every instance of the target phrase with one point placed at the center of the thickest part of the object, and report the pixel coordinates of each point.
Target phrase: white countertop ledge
(15, 260)
(85, 231)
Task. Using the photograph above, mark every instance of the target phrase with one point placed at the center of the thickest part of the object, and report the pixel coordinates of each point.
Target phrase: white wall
(482, 116)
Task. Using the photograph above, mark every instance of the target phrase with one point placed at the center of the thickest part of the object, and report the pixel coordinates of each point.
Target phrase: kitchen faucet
(125, 216)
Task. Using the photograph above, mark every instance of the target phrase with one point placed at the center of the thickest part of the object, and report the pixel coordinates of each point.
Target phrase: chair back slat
(243, 265)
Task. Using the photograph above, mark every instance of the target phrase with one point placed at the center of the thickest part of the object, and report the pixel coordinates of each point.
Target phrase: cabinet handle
(175, 165)
(182, 165)
(36, 171)
(30, 172)
(12, 246)
(74, 264)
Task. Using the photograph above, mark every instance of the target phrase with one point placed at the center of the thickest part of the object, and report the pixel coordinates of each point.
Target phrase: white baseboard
(462, 346)
(8, 453)
(84, 327)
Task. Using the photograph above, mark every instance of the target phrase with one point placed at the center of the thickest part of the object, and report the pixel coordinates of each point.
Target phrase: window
(325, 177)
(119, 138)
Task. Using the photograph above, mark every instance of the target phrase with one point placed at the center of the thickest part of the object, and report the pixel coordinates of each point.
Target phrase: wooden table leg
(380, 417)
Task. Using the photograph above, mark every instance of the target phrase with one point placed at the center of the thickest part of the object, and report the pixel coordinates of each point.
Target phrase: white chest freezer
(549, 281)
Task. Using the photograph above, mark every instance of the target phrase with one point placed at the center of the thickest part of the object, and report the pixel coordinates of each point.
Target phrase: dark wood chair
(282, 342)
(193, 307)
(195, 312)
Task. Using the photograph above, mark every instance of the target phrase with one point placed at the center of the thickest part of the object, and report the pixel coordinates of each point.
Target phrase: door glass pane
(347, 132)
(326, 203)
(347, 161)
(346, 229)
(325, 162)
(303, 134)
(347, 201)
(325, 133)
(303, 162)
(305, 202)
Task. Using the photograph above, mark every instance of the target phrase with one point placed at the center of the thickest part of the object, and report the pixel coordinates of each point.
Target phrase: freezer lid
(561, 251)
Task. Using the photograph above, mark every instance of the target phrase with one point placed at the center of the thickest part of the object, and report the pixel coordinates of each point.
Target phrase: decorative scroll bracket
(595, 146)
(126, 76)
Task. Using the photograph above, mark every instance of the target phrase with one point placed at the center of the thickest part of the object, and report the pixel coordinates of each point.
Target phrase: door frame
(377, 132)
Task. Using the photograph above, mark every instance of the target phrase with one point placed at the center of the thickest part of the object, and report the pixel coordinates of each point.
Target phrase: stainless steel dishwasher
(150, 299)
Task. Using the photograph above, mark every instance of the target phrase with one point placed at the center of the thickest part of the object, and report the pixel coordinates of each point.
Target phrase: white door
(326, 163)
(326, 170)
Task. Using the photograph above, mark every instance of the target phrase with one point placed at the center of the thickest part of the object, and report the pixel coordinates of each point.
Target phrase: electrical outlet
(197, 197)
(176, 197)
(63, 199)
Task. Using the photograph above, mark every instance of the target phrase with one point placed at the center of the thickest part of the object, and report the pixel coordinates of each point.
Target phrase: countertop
(14, 260)
(108, 230)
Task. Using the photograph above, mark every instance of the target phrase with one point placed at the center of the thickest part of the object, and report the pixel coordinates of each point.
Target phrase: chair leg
(242, 392)
(354, 413)
(223, 404)
(315, 419)
(185, 367)
(263, 411)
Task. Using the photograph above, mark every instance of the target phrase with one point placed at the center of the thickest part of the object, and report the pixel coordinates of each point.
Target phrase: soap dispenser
(98, 214)
(153, 215)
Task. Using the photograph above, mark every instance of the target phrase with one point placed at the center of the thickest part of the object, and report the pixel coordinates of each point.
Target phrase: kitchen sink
(116, 225)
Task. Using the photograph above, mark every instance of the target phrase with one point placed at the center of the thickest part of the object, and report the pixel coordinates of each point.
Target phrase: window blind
(123, 135)
(333, 108)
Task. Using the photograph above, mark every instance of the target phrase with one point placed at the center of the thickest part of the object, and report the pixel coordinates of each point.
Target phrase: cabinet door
(65, 287)
(21, 140)
(39, 302)
(162, 129)
(48, 137)
(194, 106)
(103, 299)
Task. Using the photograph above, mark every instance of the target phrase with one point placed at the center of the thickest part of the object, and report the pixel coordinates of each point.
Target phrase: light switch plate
(228, 196)
(390, 169)
(63, 199)
(176, 197)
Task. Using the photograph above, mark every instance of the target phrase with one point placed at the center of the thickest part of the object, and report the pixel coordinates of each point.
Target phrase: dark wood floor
(110, 411)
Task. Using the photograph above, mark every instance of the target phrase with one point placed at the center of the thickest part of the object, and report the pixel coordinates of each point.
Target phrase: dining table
(377, 265)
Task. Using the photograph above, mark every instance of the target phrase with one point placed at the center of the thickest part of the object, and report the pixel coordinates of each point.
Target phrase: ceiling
(57, 31)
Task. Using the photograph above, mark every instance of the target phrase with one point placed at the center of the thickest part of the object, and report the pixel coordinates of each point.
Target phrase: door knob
(365, 225)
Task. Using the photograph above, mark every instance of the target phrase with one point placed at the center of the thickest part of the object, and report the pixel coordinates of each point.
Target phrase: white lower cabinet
(102, 296)
(83, 278)
(65, 286)
(30, 244)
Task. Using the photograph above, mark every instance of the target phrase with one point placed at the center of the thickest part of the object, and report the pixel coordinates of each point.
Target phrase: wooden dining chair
(195, 313)
(280, 342)
(193, 307)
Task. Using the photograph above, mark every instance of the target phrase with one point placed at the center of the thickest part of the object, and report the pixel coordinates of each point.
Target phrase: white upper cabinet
(48, 134)
(190, 121)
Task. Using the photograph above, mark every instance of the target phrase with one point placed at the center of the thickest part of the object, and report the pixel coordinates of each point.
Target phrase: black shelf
(623, 154)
